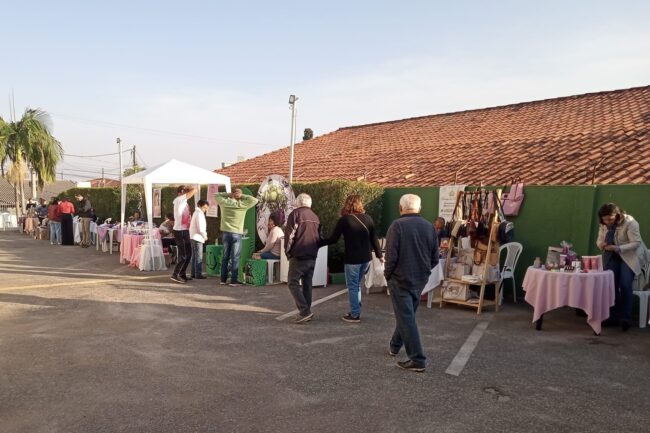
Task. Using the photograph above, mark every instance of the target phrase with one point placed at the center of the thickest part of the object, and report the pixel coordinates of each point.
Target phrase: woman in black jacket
(358, 230)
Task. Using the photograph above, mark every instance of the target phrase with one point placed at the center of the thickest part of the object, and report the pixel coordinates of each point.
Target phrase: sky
(207, 82)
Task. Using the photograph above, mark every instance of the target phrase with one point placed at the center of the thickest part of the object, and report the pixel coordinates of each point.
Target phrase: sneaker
(235, 284)
(351, 319)
(222, 283)
(177, 279)
(391, 353)
(303, 319)
(201, 278)
(410, 366)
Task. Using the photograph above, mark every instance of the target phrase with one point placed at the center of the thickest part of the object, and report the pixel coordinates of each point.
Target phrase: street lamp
(292, 104)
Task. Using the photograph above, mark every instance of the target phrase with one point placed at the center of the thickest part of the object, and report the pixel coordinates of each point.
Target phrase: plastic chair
(513, 250)
(272, 276)
(644, 296)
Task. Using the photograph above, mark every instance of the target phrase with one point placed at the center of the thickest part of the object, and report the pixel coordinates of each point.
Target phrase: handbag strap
(361, 222)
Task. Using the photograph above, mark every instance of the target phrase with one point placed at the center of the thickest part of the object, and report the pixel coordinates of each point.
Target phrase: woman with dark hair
(66, 210)
(358, 230)
(624, 253)
(271, 250)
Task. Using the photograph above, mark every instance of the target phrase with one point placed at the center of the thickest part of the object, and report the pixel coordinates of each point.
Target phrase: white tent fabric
(171, 172)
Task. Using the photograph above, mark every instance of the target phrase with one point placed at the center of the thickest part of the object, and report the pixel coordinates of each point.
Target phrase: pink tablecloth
(592, 292)
(129, 244)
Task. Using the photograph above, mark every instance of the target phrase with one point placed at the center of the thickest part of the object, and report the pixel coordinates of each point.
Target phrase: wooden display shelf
(486, 303)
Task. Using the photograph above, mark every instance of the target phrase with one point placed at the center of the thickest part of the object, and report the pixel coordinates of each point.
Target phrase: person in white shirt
(182, 219)
(271, 250)
(198, 236)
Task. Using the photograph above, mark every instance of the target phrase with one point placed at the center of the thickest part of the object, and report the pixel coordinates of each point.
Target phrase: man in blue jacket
(303, 237)
(411, 253)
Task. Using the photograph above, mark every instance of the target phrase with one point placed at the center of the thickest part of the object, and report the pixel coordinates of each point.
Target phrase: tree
(28, 141)
(308, 135)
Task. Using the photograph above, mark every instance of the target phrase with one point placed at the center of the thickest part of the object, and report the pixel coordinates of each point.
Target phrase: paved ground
(88, 345)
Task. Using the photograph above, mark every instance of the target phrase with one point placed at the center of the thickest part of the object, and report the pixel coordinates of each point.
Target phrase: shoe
(222, 283)
(391, 353)
(235, 284)
(625, 326)
(351, 319)
(609, 322)
(201, 278)
(178, 279)
(185, 279)
(51, 243)
(303, 319)
(410, 366)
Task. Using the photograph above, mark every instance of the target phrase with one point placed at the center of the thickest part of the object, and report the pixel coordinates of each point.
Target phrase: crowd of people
(58, 215)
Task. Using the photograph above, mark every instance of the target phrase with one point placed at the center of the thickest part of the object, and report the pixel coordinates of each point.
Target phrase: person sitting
(166, 231)
(271, 250)
(41, 210)
(136, 218)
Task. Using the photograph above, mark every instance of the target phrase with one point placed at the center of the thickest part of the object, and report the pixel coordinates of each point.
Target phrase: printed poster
(156, 203)
(447, 200)
(213, 210)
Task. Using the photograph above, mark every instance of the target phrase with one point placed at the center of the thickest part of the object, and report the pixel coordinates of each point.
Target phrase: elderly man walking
(303, 239)
(411, 253)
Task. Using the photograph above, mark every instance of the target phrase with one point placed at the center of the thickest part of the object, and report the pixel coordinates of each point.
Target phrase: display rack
(455, 245)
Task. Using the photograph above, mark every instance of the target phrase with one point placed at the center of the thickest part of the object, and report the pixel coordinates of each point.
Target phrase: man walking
(411, 253)
(198, 236)
(84, 210)
(233, 209)
(304, 238)
(182, 220)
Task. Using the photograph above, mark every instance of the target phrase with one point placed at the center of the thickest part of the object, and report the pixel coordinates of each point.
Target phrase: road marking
(78, 283)
(461, 358)
(319, 301)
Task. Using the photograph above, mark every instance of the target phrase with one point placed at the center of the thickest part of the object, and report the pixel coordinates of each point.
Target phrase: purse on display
(455, 291)
(513, 198)
(481, 254)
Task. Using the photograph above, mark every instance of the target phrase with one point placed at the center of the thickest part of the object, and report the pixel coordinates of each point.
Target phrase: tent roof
(177, 172)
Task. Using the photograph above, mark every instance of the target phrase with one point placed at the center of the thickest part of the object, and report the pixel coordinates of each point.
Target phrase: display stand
(455, 244)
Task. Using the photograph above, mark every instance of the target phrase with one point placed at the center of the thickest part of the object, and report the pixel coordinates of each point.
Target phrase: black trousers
(184, 246)
(301, 269)
(67, 229)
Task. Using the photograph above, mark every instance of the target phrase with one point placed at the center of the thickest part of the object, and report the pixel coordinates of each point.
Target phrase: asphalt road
(89, 345)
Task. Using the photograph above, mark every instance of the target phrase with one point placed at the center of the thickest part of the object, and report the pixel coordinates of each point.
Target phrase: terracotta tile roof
(7, 197)
(104, 183)
(558, 141)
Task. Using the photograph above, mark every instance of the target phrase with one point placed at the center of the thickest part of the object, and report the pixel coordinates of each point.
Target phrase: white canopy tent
(171, 172)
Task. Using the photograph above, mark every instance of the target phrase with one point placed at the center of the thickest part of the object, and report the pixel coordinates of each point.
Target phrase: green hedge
(105, 201)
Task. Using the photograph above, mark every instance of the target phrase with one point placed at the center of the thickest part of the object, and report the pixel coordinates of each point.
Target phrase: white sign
(213, 210)
(447, 200)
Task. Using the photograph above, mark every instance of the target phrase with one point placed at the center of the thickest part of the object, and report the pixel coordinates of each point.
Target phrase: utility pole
(292, 103)
(133, 154)
(119, 149)
(103, 181)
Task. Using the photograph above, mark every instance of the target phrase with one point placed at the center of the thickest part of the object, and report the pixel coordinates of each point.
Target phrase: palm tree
(29, 141)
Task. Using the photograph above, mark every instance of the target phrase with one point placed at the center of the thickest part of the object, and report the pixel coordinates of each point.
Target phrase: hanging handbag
(481, 254)
(513, 199)
(506, 230)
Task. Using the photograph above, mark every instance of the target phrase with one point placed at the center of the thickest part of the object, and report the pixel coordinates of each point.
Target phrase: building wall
(549, 215)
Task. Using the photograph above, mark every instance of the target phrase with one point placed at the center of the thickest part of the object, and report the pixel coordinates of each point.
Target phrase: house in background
(104, 183)
(8, 198)
(599, 138)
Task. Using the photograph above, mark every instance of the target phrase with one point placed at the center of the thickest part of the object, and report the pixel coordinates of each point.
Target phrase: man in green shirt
(233, 211)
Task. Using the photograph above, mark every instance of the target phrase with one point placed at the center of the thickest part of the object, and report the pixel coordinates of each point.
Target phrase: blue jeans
(623, 278)
(197, 258)
(55, 232)
(353, 275)
(405, 304)
(231, 252)
(267, 255)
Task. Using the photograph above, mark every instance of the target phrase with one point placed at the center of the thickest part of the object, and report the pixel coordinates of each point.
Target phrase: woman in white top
(271, 250)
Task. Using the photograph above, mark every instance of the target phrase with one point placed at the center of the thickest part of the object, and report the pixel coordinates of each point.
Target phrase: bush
(105, 201)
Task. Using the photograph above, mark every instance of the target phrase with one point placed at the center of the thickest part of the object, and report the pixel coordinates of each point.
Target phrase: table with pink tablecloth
(130, 242)
(592, 292)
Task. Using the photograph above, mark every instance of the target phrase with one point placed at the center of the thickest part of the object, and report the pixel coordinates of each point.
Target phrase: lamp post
(292, 104)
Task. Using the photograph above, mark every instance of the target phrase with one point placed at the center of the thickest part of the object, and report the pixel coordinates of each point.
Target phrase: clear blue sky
(206, 81)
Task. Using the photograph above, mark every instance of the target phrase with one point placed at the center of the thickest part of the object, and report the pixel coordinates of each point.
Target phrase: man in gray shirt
(411, 253)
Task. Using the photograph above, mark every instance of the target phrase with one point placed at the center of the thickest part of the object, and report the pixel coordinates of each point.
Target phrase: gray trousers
(301, 269)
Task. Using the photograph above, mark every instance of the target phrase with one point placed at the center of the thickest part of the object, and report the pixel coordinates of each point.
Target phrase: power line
(158, 131)
(96, 156)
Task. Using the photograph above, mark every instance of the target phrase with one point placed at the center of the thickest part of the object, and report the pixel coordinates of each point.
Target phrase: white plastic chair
(644, 295)
(514, 250)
